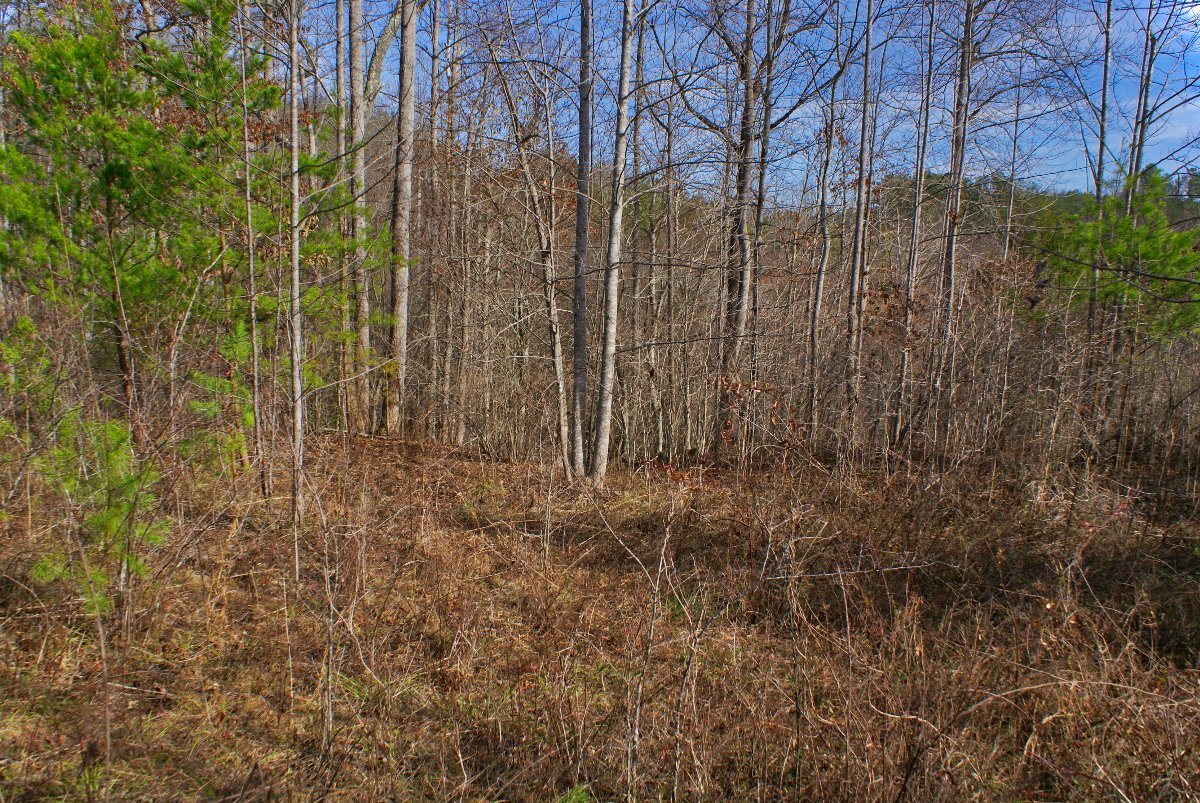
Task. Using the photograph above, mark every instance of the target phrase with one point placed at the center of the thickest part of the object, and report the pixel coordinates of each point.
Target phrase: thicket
(905, 476)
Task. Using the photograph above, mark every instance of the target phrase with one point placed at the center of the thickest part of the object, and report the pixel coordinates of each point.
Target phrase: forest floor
(470, 629)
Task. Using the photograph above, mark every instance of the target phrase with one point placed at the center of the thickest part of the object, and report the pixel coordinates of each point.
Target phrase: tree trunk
(294, 314)
(1143, 112)
(1098, 189)
(402, 216)
(910, 272)
(814, 324)
(251, 267)
(345, 278)
(738, 272)
(544, 216)
(582, 206)
(612, 260)
(858, 251)
(944, 372)
(358, 228)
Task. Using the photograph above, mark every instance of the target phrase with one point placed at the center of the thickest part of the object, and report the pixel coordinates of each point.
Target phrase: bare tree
(612, 259)
(944, 371)
(903, 413)
(402, 199)
(358, 221)
(295, 316)
(252, 290)
(583, 177)
(858, 249)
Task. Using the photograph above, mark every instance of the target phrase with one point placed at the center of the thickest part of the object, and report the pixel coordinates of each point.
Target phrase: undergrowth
(467, 629)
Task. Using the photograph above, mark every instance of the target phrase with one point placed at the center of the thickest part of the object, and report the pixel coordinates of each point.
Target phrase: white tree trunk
(402, 214)
(612, 259)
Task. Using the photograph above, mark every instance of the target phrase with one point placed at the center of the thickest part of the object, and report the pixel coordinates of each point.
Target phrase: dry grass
(470, 630)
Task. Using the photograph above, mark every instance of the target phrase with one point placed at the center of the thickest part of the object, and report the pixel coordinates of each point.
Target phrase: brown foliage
(810, 637)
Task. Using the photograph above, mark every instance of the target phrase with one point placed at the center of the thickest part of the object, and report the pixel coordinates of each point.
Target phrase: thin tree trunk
(944, 378)
(629, 374)
(345, 278)
(738, 275)
(465, 221)
(1101, 147)
(1012, 168)
(294, 314)
(612, 260)
(550, 293)
(436, 214)
(544, 217)
(673, 359)
(255, 386)
(402, 215)
(760, 202)
(859, 248)
(582, 206)
(814, 324)
(3, 219)
(358, 229)
(1143, 113)
(910, 273)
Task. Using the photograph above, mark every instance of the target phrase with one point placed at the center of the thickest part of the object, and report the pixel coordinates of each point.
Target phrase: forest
(550, 400)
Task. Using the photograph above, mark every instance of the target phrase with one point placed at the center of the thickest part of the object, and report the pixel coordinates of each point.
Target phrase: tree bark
(358, 220)
(402, 216)
(1098, 189)
(910, 271)
(854, 316)
(295, 319)
(612, 260)
(738, 273)
(944, 372)
(251, 267)
(346, 361)
(814, 324)
(583, 177)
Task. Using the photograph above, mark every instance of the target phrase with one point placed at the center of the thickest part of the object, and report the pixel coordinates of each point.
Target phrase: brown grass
(465, 629)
